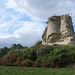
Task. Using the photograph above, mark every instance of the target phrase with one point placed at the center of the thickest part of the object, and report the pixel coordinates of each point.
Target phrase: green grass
(9, 70)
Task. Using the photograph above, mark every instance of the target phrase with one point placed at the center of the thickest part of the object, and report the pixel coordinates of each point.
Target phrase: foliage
(45, 63)
(38, 56)
(43, 50)
(16, 46)
(39, 42)
(27, 63)
(66, 55)
(3, 51)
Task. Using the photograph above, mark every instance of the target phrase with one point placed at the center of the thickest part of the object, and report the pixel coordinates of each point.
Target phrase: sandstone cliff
(59, 31)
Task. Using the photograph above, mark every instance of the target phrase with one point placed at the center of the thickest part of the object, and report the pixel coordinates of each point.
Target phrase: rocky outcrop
(59, 30)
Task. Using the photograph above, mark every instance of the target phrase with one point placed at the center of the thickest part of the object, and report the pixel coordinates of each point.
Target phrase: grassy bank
(9, 70)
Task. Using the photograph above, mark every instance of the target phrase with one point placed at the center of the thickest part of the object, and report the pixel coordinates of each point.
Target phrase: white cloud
(27, 35)
(42, 9)
(7, 25)
(13, 30)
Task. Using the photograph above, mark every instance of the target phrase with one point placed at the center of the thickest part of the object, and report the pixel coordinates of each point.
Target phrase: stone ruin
(59, 31)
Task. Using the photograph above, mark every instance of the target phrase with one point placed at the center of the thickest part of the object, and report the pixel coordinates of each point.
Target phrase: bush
(41, 51)
(39, 42)
(27, 63)
(9, 60)
(30, 54)
(37, 62)
(40, 56)
(66, 55)
(45, 63)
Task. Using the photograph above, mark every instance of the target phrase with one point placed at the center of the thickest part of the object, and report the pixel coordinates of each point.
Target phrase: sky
(23, 21)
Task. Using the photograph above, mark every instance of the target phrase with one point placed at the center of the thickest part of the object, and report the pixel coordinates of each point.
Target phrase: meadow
(11, 70)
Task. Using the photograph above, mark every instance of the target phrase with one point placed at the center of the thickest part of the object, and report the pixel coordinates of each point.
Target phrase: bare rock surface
(59, 31)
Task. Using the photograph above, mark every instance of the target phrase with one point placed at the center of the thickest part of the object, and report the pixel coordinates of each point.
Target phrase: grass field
(9, 70)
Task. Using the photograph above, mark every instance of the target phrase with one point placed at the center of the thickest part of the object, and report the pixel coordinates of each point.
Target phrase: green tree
(16, 46)
(3, 51)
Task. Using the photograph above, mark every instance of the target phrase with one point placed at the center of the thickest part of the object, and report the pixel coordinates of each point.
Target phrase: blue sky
(23, 21)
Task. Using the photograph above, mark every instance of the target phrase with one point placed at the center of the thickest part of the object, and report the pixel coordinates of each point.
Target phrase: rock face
(59, 31)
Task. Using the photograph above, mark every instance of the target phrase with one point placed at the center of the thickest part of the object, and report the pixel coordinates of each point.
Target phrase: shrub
(37, 62)
(39, 42)
(41, 51)
(45, 63)
(8, 60)
(66, 55)
(40, 56)
(27, 63)
(30, 54)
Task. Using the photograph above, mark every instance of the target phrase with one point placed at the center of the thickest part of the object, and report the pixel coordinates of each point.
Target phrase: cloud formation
(42, 9)
(27, 35)
(23, 21)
